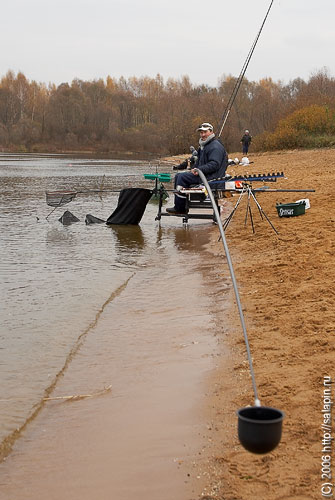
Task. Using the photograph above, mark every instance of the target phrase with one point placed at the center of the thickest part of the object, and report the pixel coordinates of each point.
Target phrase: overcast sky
(57, 41)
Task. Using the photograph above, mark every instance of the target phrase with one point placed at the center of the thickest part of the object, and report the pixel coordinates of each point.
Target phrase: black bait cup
(259, 428)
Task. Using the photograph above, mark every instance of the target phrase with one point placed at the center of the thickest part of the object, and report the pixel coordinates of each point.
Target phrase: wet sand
(287, 291)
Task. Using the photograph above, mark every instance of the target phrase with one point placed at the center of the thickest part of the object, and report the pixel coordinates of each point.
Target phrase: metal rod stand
(231, 215)
(247, 189)
(261, 211)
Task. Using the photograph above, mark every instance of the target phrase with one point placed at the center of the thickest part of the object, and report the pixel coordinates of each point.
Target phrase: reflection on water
(129, 238)
(59, 282)
(128, 244)
(188, 239)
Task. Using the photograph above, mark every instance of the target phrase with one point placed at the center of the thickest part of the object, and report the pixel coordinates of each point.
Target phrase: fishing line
(241, 76)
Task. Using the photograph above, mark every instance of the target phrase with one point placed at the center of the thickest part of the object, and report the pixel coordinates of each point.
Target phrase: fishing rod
(264, 190)
(241, 76)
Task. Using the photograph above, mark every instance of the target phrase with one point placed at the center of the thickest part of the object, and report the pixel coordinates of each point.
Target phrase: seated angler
(212, 161)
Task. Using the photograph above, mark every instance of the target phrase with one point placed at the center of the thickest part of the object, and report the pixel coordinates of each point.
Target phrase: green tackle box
(291, 209)
(161, 177)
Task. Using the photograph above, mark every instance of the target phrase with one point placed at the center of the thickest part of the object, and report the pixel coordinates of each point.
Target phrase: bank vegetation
(150, 115)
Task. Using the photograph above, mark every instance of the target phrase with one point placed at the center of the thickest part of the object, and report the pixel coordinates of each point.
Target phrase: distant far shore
(91, 151)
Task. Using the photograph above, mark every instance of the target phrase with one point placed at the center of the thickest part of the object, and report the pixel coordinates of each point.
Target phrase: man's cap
(247, 131)
(205, 126)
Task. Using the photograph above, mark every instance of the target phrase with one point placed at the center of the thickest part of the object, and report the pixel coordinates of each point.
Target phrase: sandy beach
(286, 284)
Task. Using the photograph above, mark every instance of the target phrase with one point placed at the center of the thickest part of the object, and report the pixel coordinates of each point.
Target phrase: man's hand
(194, 171)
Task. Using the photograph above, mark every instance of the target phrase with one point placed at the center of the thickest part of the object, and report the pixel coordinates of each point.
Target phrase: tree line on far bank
(152, 116)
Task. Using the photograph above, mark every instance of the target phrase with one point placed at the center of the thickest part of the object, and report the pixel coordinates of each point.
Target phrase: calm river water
(85, 307)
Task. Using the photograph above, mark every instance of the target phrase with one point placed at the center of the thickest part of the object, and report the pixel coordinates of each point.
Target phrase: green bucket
(291, 209)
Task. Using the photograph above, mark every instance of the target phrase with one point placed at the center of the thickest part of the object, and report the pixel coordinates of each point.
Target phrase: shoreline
(286, 288)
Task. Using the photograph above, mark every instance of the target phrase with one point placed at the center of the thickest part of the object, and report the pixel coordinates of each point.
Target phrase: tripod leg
(260, 211)
(230, 216)
(247, 209)
(160, 203)
(258, 205)
(251, 220)
(263, 213)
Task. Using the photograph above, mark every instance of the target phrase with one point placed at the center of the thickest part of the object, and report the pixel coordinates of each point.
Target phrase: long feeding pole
(241, 76)
(232, 274)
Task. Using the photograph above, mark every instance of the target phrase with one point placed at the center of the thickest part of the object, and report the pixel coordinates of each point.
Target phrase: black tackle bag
(131, 206)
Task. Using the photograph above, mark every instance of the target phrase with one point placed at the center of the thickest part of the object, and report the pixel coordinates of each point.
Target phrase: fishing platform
(197, 196)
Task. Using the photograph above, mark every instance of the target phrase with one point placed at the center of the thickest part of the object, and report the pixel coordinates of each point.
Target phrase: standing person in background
(245, 141)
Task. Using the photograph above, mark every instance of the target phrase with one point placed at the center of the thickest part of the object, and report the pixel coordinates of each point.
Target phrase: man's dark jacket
(212, 159)
(246, 139)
